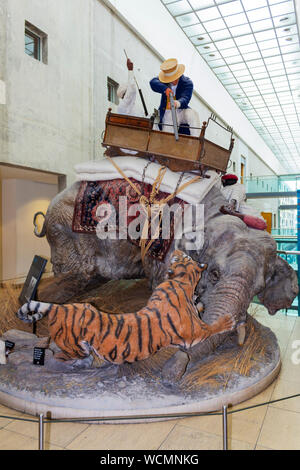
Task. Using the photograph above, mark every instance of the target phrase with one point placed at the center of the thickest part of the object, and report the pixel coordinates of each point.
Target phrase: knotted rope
(152, 207)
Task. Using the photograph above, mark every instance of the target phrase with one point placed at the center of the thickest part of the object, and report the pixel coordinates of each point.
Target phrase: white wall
(48, 109)
(21, 199)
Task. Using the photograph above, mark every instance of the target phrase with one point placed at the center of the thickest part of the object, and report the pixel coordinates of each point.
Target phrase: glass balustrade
(272, 184)
(269, 199)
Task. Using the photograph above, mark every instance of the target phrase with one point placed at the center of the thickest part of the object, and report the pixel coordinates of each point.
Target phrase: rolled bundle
(249, 220)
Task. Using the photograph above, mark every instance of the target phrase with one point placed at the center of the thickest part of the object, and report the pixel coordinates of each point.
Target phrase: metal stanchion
(225, 437)
(41, 432)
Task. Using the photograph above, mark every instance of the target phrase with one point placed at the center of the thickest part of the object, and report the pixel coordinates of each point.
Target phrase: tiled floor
(276, 426)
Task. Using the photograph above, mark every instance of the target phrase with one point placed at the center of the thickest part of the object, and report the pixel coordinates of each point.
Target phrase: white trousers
(184, 116)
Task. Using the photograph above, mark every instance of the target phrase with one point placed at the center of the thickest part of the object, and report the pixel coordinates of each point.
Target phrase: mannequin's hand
(233, 204)
(177, 104)
(129, 64)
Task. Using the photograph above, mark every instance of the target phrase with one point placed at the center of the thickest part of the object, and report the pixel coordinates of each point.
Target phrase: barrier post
(225, 428)
(41, 432)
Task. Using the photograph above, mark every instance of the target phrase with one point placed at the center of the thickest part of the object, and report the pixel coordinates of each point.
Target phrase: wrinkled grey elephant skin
(242, 262)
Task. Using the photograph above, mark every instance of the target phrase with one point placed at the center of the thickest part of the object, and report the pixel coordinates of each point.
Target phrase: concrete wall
(48, 111)
(21, 199)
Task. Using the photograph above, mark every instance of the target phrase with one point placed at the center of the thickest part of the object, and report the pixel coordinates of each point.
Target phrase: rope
(152, 206)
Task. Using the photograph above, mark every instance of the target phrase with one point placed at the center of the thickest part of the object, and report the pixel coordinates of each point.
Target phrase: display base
(230, 375)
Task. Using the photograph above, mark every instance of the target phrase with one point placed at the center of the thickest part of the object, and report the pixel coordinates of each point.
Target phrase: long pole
(140, 91)
(174, 115)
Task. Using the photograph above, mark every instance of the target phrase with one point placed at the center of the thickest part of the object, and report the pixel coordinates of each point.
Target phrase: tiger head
(182, 265)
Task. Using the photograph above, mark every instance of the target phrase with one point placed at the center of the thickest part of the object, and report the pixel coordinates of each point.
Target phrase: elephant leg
(66, 287)
(175, 367)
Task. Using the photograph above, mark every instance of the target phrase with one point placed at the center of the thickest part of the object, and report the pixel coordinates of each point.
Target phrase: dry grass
(123, 296)
(113, 297)
(239, 360)
(9, 304)
(250, 355)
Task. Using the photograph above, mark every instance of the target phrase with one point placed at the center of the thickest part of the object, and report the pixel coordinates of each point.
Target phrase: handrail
(288, 252)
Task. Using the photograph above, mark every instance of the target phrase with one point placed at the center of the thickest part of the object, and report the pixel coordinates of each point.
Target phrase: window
(112, 88)
(32, 45)
(36, 43)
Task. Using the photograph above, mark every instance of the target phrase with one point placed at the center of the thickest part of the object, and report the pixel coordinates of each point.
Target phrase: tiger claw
(226, 323)
(229, 322)
(202, 266)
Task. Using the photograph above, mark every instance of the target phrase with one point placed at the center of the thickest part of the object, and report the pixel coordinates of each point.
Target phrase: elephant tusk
(241, 332)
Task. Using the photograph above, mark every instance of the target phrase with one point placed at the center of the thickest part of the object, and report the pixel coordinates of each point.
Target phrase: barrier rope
(176, 415)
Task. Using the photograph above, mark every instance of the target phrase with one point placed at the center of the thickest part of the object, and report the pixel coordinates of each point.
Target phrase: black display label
(39, 356)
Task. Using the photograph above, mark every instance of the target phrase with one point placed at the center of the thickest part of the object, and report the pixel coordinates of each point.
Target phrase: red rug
(93, 194)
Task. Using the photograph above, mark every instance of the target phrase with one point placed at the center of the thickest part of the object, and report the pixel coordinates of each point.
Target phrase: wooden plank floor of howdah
(229, 375)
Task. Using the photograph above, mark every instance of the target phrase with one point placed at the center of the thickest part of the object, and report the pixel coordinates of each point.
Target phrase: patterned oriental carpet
(94, 195)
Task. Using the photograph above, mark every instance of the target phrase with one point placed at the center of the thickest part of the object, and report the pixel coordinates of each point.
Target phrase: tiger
(170, 318)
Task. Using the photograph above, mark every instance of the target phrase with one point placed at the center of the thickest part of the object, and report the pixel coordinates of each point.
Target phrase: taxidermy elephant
(242, 263)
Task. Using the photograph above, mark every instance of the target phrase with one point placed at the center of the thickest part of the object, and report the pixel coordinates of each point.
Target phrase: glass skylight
(253, 48)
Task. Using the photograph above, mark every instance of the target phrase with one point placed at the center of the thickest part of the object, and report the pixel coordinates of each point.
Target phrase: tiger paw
(58, 364)
(223, 324)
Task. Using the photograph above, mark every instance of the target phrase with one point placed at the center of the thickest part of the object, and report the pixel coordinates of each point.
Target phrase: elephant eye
(214, 275)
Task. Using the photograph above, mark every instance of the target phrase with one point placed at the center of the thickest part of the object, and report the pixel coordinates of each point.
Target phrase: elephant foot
(175, 367)
(65, 287)
(59, 363)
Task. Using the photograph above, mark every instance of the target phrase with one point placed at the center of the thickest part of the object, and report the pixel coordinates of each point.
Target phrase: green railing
(287, 249)
(272, 184)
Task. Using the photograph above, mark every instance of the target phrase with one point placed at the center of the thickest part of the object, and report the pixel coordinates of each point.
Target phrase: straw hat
(170, 71)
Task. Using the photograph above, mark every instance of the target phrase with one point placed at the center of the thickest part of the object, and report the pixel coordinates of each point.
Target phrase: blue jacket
(184, 93)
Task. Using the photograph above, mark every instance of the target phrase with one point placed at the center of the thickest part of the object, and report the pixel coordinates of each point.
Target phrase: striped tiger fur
(169, 318)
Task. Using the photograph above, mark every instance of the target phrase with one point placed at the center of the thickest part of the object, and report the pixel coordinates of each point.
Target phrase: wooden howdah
(124, 132)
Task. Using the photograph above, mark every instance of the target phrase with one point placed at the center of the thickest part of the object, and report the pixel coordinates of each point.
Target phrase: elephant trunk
(231, 297)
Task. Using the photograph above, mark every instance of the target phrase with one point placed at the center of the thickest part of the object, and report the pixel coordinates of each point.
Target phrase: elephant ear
(281, 287)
